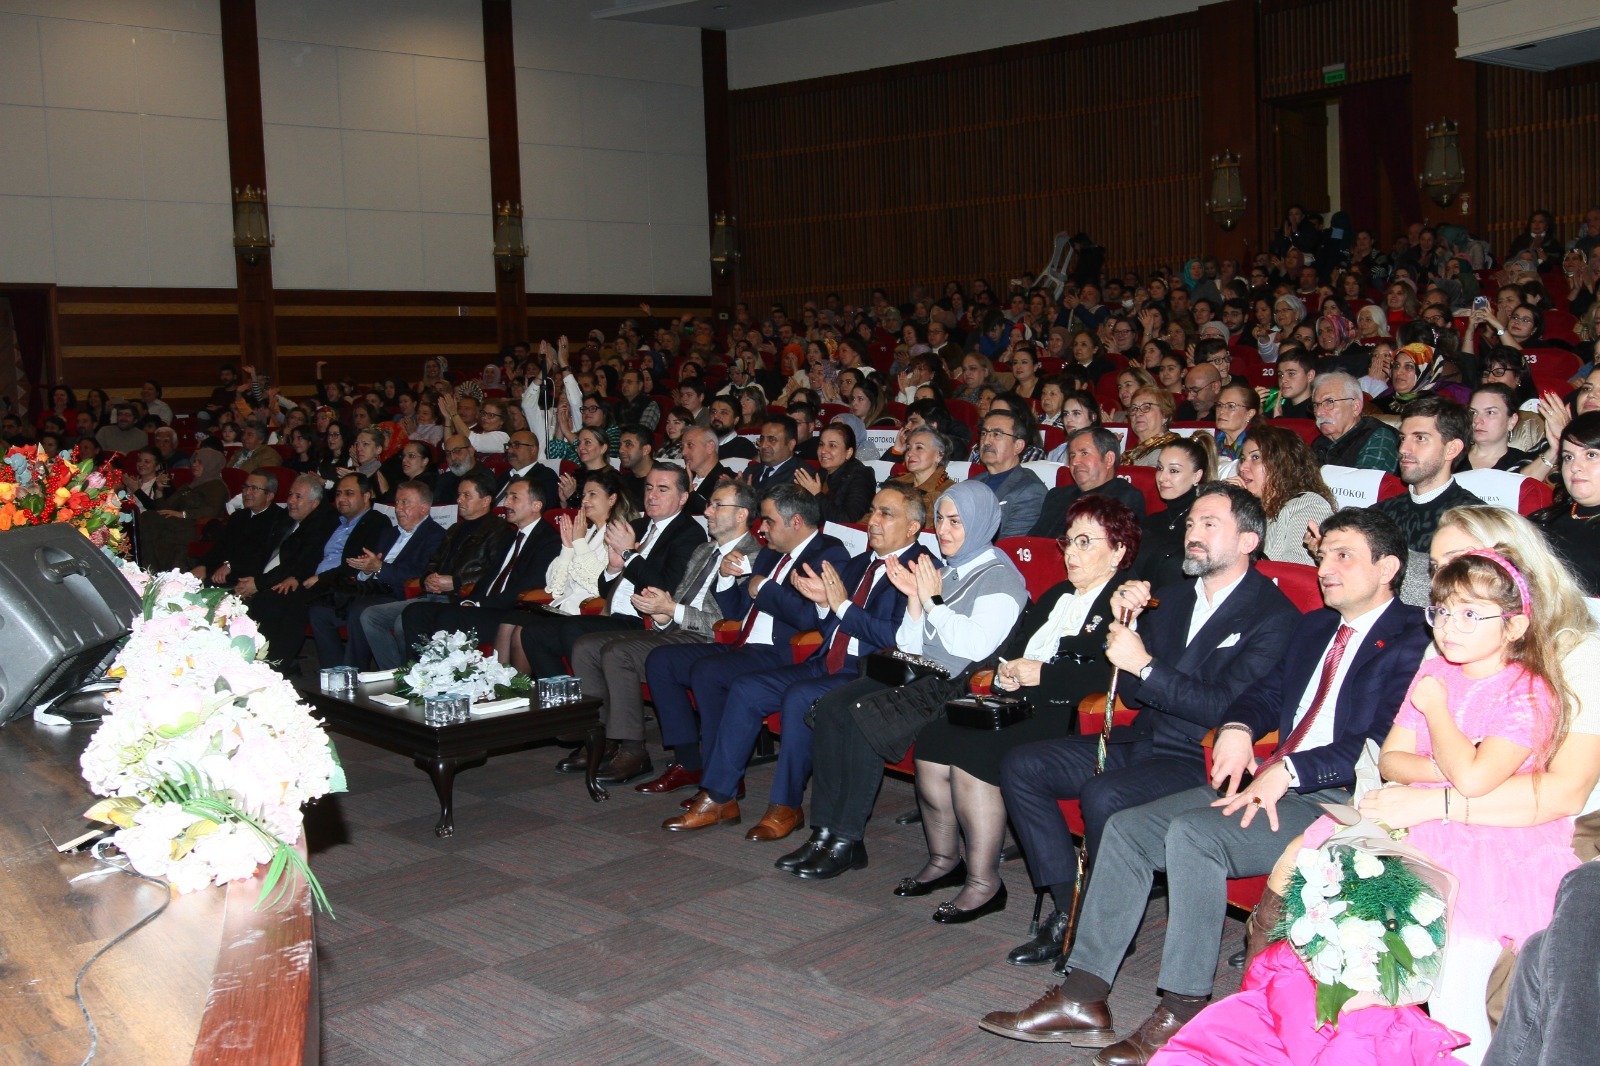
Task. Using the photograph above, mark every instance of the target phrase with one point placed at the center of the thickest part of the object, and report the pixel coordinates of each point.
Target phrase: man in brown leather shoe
(1345, 674)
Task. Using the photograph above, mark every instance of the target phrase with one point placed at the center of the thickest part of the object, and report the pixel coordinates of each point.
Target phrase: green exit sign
(1333, 75)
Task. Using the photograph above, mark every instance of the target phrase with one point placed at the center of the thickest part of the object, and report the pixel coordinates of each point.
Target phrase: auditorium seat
(1503, 488)
(1305, 427)
(1552, 368)
(1298, 581)
(285, 478)
(1143, 478)
(1039, 559)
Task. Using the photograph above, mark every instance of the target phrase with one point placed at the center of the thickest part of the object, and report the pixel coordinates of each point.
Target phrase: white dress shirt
(698, 594)
(621, 598)
(1066, 619)
(1321, 731)
(761, 628)
(1205, 607)
(854, 647)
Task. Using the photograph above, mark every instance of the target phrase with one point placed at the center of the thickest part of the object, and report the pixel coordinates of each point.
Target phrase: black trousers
(846, 773)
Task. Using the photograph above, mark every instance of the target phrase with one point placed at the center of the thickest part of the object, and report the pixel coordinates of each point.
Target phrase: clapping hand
(368, 562)
(809, 584)
(566, 486)
(807, 479)
(901, 577)
(653, 601)
(620, 536)
(564, 527)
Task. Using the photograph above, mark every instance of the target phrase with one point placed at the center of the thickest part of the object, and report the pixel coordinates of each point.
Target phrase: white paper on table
(388, 700)
(367, 677)
(516, 703)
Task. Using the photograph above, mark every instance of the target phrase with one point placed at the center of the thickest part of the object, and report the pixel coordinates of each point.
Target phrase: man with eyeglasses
(249, 537)
(460, 460)
(1214, 635)
(522, 452)
(1201, 386)
(1350, 438)
(1331, 692)
(1001, 442)
(1091, 456)
(759, 592)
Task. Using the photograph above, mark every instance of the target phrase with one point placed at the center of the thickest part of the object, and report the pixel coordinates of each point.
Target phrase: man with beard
(1209, 641)
(459, 458)
(1433, 433)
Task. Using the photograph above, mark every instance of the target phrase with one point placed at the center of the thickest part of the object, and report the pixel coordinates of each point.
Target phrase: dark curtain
(1374, 137)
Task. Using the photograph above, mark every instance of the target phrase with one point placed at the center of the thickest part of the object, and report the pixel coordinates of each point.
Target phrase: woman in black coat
(846, 485)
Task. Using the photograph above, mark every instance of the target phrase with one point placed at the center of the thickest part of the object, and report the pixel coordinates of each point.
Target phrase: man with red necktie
(1344, 677)
(858, 611)
(773, 611)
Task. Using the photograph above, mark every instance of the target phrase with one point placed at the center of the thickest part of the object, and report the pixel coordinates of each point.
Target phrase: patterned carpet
(552, 930)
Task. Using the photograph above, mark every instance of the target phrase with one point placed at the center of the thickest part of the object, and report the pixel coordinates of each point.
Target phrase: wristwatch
(628, 556)
(936, 600)
(1149, 668)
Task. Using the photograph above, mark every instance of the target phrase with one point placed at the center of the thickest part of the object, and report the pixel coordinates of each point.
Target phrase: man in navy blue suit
(400, 555)
(1347, 670)
(1214, 635)
(772, 611)
(858, 610)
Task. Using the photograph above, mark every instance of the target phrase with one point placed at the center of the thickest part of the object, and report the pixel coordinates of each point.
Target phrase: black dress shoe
(577, 760)
(950, 914)
(820, 836)
(623, 767)
(833, 859)
(910, 886)
(1045, 945)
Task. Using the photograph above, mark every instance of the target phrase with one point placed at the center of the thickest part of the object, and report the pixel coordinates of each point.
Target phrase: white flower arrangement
(206, 754)
(1365, 925)
(450, 664)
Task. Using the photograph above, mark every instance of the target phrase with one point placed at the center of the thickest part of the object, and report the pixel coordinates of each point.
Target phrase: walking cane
(1099, 767)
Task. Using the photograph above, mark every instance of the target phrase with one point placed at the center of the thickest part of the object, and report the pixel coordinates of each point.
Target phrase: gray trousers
(1555, 995)
(1200, 850)
(611, 667)
(385, 636)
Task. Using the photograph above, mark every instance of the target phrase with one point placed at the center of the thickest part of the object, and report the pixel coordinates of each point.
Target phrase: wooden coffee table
(441, 750)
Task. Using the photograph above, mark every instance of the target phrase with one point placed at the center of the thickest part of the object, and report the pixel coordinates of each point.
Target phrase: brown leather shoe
(739, 795)
(703, 813)
(777, 823)
(676, 777)
(623, 767)
(1055, 1019)
(1142, 1044)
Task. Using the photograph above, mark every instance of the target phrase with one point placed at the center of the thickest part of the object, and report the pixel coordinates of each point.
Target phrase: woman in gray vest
(956, 617)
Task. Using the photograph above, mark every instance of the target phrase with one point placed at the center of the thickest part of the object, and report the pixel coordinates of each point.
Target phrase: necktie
(1330, 667)
(840, 645)
(694, 591)
(504, 576)
(750, 616)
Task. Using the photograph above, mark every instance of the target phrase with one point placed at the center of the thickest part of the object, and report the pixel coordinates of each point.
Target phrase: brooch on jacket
(1093, 624)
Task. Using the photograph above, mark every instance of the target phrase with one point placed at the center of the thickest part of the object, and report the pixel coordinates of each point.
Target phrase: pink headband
(1505, 564)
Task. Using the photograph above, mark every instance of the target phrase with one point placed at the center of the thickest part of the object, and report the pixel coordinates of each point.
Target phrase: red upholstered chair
(1502, 488)
(1298, 581)
(234, 478)
(1390, 486)
(1143, 478)
(830, 411)
(965, 412)
(1054, 437)
(1039, 559)
(1306, 427)
(1551, 368)
(285, 478)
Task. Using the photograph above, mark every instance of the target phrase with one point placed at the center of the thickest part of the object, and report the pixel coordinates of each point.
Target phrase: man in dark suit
(636, 452)
(611, 665)
(380, 576)
(282, 610)
(522, 455)
(760, 593)
(470, 546)
(1181, 686)
(1331, 700)
(520, 567)
(650, 552)
(1091, 457)
(296, 555)
(249, 537)
(775, 450)
(725, 425)
(862, 610)
(705, 473)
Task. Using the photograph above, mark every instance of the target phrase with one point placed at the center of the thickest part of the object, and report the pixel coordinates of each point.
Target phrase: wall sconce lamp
(252, 241)
(1227, 201)
(508, 246)
(1443, 175)
(724, 244)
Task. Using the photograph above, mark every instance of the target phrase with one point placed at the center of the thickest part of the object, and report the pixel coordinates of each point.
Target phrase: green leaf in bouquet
(1402, 954)
(1389, 978)
(187, 722)
(1330, 1001)
(245, 647)
(118, 810)
(191, 836)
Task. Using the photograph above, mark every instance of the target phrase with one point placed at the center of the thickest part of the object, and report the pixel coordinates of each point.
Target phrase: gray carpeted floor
(551, 930)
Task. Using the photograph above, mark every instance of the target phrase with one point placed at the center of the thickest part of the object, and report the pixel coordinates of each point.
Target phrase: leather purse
(988, 713)
(894, 667)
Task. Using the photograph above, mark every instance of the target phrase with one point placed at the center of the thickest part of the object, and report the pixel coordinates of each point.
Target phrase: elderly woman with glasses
(1237, 407)
(1054, 656)
(925, 454)
(1149, 415)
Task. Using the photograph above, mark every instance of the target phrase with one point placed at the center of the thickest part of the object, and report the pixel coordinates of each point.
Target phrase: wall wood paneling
(968, 166)
(1300, 37)
(1541, 138)
(116, 338)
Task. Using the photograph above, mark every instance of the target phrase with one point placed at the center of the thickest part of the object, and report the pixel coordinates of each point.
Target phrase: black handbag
(987, 712)
(894, 667)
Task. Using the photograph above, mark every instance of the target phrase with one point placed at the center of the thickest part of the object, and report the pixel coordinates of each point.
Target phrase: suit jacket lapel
(1220, 625)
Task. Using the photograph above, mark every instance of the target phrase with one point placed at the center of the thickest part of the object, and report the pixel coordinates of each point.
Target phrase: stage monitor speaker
(64, 612)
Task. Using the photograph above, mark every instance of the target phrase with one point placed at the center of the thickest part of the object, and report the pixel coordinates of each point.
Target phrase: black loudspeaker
(64, 611)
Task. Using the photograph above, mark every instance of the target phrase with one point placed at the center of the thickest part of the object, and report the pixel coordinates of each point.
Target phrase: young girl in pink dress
(1492, 705)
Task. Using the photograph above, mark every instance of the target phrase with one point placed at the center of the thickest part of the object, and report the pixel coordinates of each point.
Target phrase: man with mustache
(1350, 438)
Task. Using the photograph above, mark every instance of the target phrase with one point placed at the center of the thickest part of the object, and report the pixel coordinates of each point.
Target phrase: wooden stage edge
(211, 980)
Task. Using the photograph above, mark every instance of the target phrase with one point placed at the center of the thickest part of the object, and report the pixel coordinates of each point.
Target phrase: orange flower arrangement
(36, 490)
